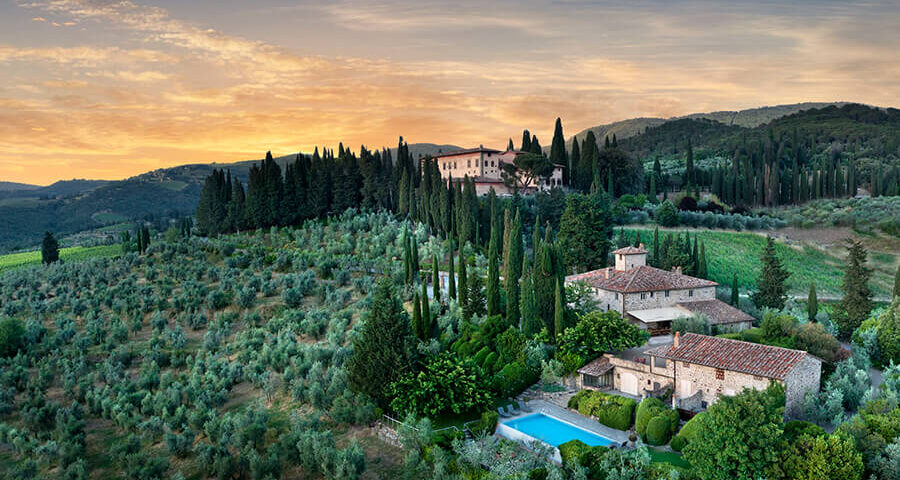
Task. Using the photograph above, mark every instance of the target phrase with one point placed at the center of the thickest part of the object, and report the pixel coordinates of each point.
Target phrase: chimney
(607, 273)
(677, 270)
(676, 342)
(642, 246)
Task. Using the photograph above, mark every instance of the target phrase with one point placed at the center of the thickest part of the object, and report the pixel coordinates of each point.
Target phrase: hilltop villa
(698, 369)
(484, 165)
(651, 298)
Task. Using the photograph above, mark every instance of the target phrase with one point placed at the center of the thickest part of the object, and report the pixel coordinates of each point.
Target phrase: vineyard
(23, 259)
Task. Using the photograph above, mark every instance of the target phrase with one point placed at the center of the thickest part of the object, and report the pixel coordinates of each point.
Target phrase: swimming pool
(554, 431)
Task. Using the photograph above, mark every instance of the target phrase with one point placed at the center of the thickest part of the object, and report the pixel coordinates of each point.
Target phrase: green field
(109, 217)
(16, 260)
(728, 253)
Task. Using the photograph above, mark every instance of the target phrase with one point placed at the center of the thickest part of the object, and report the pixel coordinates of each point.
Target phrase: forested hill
(749, 118)
(864, 130)
(72, 206)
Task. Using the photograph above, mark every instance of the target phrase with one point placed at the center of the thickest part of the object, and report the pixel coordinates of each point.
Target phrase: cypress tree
(559, 315)
(463, 290)
(384, 349)
(513, 270)
(426, 309)
(610, 186)
(414, 259)
(509, 146)
(856, 304)
(701, 262)
(417, 327)
(735, 294)
(574, 163)
(49, 249)
(403, 193)
(526, 141)
(656, 255)
(407, 257)
(493, 280)
(896, 292)
(771, 291)
(544, 278)
(535, 145)
(451, 279)
(475, 295)
(653, 196)
(436, 280)
(530, 324)
(558, 148)
(689, 175)
(812, 303)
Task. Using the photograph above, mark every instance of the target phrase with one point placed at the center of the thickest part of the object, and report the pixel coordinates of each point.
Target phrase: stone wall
(702, 384)
(633, 301)
(805, 377)
(649, 376)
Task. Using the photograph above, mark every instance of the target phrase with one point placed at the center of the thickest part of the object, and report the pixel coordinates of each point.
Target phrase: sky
(110, 89)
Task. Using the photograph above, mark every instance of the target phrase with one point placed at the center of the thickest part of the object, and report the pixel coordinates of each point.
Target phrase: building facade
(652, 298)
(485, 167)
(697, 370)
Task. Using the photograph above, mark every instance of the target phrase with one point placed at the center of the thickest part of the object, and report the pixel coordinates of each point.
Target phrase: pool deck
(580, 421)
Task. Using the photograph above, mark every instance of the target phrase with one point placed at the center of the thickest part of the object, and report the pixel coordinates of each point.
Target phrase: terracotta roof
(466, 152)
(597, 367)
(719, 312)
(629, 250)
(640, 279)
(735, 355)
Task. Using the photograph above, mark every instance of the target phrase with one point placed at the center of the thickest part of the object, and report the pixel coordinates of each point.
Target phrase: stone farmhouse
(698, 369)
(652, 298)
(485, 166)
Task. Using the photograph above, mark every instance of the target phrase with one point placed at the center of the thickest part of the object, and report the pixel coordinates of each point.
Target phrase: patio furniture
(513, 410)
(525, 407)
(502, 412)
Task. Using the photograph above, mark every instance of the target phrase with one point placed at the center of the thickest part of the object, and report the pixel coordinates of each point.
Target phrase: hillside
(749, 118)
(16, 187)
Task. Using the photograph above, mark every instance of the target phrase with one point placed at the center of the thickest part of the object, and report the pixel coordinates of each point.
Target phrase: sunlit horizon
(108, 90)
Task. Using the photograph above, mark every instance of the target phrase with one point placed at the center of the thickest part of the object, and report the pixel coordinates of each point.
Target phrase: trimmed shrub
(658, 430)
(490, 362)
(794, 429)
(610, 410)
(688, 432)
(486, 425)
(577, 398)
(481, 355)
(648, 408)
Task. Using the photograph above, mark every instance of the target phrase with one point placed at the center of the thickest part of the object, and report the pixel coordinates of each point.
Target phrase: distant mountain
(16, 187)
(749, 118)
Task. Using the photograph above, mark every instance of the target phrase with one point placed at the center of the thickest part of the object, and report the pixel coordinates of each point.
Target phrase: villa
(652, 298)
(484, 166)
(699, 369)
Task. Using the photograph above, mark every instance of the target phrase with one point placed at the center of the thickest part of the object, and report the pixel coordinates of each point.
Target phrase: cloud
(39, 19)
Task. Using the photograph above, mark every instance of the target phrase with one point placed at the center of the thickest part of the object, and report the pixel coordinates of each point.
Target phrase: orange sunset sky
(110, 89)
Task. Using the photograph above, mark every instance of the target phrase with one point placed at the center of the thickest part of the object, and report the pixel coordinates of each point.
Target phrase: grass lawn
(17, 260)
(730, 252)
(672, 458)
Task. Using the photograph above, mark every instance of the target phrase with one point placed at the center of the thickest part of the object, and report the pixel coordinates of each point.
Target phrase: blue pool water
(553, 431)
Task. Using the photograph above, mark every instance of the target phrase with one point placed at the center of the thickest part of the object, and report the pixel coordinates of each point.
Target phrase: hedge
(513, 378)
(571, 451)
(490, 362)
(481, 355)
(610, 410)
(688, 432)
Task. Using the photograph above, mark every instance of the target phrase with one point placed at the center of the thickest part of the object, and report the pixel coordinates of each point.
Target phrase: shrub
(794, 429)
(666, 214)
(482, 355)
(687, 433)
(610, 410)
(658, 430)
(571, 451)
(486, 425)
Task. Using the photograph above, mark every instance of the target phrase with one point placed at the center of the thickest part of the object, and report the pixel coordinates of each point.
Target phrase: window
(476, 163)
(651, 294)
(492, 163)
(667, 294)
(469, 163)
(643, 295)
(685, 365)
(617, 296)
(659, 362)
(454, 164)
(690, 293)
(720, 374)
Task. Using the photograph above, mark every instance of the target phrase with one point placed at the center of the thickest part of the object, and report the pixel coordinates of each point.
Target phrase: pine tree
(856, 305)
(384, 349)
(735, 291)
(493, 280)
(417, 327)
(436, 279)
(49, 249)
(771, 290)
(559, 314)
(451, 279)
(812, 303)
(513, 270)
